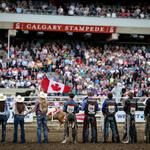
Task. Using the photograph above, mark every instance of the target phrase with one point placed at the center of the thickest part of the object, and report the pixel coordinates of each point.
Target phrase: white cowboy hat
(42, 95)
(2, 97)
(19, 99)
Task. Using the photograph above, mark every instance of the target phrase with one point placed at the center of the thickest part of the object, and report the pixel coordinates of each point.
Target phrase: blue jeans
(147, 129)
(110, 121)
(3, 121)
(89, 121)
(19, 119)
(42, 123)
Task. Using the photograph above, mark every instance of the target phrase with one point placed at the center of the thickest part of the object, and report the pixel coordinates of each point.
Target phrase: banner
(139, 116)
(28, 118)
(64, 27)
(120, 116)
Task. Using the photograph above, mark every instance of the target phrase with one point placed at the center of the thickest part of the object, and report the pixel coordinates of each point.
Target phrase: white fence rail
(58, 101)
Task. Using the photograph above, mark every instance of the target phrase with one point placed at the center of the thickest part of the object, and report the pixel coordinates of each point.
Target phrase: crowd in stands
(79, 65)
(75, 9)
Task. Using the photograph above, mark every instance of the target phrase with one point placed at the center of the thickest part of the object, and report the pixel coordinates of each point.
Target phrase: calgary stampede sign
(64, 27)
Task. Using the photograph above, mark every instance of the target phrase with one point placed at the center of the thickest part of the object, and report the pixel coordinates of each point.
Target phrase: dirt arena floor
(56, 136)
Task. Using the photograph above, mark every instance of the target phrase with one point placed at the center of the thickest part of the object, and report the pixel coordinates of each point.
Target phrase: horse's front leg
(60, 125)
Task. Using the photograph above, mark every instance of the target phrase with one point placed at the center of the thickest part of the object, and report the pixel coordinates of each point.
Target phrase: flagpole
(8, 44)
(64, 79)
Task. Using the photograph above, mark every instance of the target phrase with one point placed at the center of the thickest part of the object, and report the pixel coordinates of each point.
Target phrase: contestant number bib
(91, 109)
(70, 109)
(111, 109)
(132, 110)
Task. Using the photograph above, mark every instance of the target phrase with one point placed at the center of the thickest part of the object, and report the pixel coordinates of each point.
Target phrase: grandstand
(93, 45)
(79, 8)
(74, 45)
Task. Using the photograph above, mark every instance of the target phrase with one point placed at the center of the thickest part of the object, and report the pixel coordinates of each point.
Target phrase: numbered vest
(111, 107)
(70, 108)
(91, 109)
(132, 109)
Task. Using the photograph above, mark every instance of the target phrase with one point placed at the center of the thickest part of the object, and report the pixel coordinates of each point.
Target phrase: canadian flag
(50, 86)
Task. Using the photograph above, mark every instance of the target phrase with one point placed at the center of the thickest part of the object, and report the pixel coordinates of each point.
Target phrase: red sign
(64, 28)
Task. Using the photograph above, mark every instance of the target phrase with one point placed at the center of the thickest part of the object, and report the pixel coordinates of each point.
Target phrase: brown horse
(59, 115)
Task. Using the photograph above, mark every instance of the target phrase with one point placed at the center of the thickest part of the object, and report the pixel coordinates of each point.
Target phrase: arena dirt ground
(58, 146)
(56, 136)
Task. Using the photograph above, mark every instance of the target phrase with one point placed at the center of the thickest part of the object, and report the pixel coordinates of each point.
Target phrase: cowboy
(4, 115)
(19, 111)
(70, 108)
(130, 107)
(147, 118)
(90, 107)
(41, 108)
(109, 109)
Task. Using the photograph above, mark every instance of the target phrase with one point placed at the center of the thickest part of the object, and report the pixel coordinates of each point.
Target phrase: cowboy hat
(42, 95)
(19, 99)
(2, 97)
(131, 93)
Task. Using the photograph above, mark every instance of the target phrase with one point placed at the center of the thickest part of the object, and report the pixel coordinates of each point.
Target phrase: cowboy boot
(64, 141)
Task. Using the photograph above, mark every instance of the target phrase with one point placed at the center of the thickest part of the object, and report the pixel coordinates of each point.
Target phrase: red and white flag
(50, 86)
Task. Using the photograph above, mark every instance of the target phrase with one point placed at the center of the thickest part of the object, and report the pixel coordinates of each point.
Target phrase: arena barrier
(58, 101)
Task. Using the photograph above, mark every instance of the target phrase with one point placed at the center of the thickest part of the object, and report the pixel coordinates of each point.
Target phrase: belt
(18, 115)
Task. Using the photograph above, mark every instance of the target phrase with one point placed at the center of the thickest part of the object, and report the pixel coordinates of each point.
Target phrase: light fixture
(40, 33)
(25, 31)
(70, 33)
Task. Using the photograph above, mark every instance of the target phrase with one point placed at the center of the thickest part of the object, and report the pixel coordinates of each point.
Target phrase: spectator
(60, 11)
(77, 8)
(83, 66)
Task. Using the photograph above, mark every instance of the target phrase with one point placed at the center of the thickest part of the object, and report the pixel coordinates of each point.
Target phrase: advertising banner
(28, 118)
(64, 27)
(139, 116)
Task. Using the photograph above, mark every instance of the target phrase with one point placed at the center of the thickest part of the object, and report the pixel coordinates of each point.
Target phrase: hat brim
(20, 100)
(42, 96)
(3, 99)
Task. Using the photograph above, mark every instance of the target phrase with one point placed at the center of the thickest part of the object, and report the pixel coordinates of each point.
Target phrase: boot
(64, 141)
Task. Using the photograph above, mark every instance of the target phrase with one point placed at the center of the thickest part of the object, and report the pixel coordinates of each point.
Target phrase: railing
(75, 20)
(58, 101)
(30, 100)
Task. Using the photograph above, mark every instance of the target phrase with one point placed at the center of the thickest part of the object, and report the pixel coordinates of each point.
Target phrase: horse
(57, 115)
